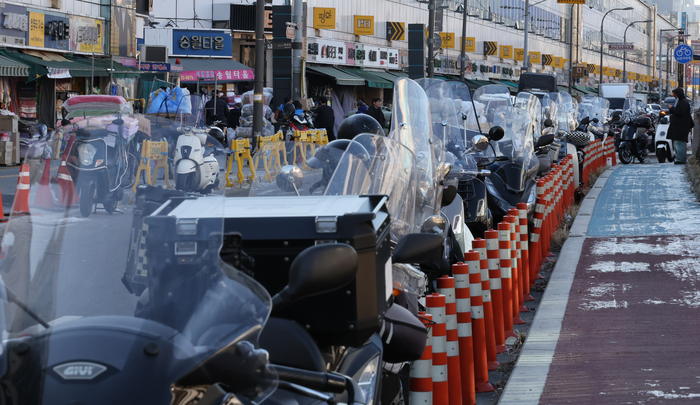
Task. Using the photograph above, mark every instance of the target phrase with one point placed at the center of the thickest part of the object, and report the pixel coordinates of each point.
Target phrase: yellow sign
(631, 76)
(364, 25)
(490, 48)
(535, 57)
(558, 62)
(519, 54)
(448, 40)
(469, 44)
(506, 52)
(324, 18)
(36, 29)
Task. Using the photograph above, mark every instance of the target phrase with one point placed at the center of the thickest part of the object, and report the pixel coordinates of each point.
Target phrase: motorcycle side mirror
(544, 140)
(548, 123)
(434, 224)
(480, 142)
(417, 248)
(448, 195)
(496, 133)
(65, 122)
(317, 270)
(290, 178)
(596, 120)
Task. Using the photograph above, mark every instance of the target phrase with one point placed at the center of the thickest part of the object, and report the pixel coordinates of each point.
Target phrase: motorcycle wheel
(87, 198)
(625, 156)
(661, 155)
(132, 167)
(110, 206)
(185, 182)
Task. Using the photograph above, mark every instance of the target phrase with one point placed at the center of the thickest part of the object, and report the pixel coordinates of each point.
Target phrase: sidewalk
(618, 322)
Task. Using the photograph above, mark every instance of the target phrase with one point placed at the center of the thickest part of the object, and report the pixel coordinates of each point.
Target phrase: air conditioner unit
(154, 53)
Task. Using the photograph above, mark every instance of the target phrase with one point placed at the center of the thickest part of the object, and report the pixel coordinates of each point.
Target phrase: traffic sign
(683, 53)
(547, 60)
(490, 48)
(395, 31)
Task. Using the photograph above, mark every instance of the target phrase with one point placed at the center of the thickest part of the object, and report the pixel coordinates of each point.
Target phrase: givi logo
(79, 370)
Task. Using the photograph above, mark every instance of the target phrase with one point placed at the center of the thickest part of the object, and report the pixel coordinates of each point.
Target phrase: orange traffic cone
(44, 196)
(21, 203)
(66, 189)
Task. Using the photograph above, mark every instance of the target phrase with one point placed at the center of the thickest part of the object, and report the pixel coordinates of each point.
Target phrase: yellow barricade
(153, 152)
(305, 141)
(272, 151)
(240, 151)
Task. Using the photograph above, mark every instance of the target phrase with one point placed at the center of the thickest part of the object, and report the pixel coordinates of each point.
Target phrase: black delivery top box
(276, 229)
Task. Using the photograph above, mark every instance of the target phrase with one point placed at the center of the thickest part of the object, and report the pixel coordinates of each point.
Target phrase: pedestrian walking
(361, 107)
(681, 124)
(325, 118)
(375, 111)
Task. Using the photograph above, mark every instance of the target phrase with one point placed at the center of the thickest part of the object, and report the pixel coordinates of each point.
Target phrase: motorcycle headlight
(86, 153)
(368, 379)
(531, 199)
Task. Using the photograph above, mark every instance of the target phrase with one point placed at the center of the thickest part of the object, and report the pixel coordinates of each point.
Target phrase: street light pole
(527, 30)
(624, 58)
(463, 51)
(258, 98)
(602, 42)
(431, 40)
(661, 35)
(571, 48)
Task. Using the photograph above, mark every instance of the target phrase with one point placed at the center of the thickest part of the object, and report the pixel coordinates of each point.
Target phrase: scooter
(664, 146)
(100, 165)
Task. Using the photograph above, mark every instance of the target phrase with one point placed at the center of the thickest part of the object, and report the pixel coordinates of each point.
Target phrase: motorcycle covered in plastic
(74, 333)
(514, 171)
(635, 141)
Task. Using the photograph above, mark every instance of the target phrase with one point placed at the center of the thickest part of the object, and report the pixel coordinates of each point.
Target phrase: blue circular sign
(683, 53)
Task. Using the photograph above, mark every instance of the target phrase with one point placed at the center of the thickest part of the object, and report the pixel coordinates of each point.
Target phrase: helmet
(329, 156)
(288, 110)
(358, 124)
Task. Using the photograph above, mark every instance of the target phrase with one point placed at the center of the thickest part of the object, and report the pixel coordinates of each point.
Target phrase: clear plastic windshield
(517, 143)
(630, 108)
(463, 99)
(150, 273)
(530, 103)
(443, 112)
(487, 99)
(411, 126)
(292, 169)
(550, 109)
(378, 165)
(567, 117)
(594, 107)
(190, 111)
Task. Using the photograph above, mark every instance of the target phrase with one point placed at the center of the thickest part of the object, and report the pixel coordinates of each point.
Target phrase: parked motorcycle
(664, 146)
(513, 174)
(196, 168)
(635, 141)
(103, 158)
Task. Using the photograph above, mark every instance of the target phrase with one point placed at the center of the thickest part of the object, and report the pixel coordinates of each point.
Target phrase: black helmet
(288, 110)
(329, 156)
(359, 124)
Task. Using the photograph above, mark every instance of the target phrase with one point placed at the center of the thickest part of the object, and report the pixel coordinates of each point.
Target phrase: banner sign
(155, 67)
(193, 75)
(202, 43)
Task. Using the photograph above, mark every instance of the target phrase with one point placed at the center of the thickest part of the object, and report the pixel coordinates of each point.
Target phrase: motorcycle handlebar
(325, 382)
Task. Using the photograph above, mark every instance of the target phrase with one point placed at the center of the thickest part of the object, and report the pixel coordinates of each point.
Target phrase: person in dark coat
(375, 111)
(681, 124)
(221, 108)
(325, 118)
(361, 107)
(234, 116)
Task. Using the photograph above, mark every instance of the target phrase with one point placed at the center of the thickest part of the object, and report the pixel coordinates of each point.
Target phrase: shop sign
(393, 59)
(519, 54)
(378, 57)
(448, 40)
(324, 18)
(155, 67)
(350, 53)
(364, 25)
(324, 51)
(446, 65)
(469, 44)
(535, 58)
(193, 75)
(558, 62)
(86, 34)
(56, 73)
(202, 43)
(15, 25)
(49, 30)
(506, 52)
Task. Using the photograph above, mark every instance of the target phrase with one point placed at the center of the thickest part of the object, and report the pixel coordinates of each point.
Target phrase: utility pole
(431, 40)
(258, 99)
(463, 53)
(296, 49)
(527, 30)
(571, 47)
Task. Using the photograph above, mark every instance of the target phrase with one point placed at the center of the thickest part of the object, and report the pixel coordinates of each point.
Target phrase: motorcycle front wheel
(625, 156)
(110, 205)
(661, 155)
(87, 198)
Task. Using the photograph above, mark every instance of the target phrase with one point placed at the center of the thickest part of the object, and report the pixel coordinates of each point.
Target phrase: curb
(529, 376)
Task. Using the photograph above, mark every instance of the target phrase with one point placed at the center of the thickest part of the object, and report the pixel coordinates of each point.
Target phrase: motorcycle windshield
(378, 165)
(550, 109)
(566, 112)
(487, 100)
(190, 111)
(594, 107)
(290, 168)
(530, 103)
(138, 301)
(517, 142)
(463, 98)
(631, 109)
(411, 126)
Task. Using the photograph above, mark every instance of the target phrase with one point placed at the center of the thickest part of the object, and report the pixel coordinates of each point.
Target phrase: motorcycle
(635, 141)
(103, 158)
(196, 168)
(71, 334)
(664, 146)
(514, 171)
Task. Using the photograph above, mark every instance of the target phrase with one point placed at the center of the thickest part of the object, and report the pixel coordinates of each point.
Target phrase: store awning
(511, 86)
(397, 73)
(102, 68)
(223, 70)
(386, 76)
(341, 77)
(371, 79)
(10, 67)
(592, 90)
(41, 65)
